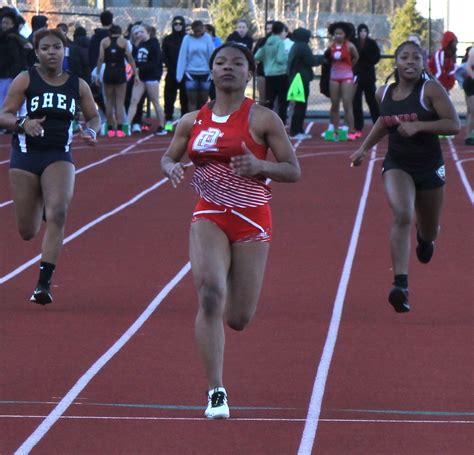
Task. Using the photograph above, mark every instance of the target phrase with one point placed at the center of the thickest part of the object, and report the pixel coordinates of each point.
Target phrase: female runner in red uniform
(413, 111)
(227, 140)
(344, 56)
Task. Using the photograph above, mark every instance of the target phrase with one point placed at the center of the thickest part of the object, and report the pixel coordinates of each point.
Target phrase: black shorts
(36, 162)
(468, 86)
(114, 75)
(424, 179)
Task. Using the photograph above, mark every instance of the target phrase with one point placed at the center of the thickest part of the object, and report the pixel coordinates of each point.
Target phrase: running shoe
(111, 133)
(301, 137)
(352, 136)
(217, 405)
(398, 298)
(358, 134)
(330, 135)
(120, 133)
(424, 249)
(169, 126)
(145, 127)
(41, 295)
(160, 131)
(469, 141)
(136, 128)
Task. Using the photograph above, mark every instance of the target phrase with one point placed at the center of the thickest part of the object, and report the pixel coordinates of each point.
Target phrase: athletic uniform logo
(52, 100)
(392, 120)
(206, 140)
(441, 173)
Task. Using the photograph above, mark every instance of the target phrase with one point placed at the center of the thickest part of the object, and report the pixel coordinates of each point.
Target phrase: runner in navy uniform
(413, 112)
(41, 166)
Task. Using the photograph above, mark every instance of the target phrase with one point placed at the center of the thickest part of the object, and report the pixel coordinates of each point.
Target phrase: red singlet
(213, 141)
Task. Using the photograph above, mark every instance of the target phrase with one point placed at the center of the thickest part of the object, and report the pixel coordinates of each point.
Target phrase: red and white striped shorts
(251, 224)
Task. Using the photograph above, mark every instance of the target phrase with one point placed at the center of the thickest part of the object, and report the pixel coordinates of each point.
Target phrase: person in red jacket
(443, 62)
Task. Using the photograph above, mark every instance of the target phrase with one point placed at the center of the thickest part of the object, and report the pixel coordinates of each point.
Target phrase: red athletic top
(214, 140)
(341, 61)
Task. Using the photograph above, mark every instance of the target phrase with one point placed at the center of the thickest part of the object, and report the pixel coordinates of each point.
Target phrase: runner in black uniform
(413, 112)
(113, 51)
(41, 166)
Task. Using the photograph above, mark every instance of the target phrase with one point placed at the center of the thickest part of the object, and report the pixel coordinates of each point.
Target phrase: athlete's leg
(109, 104)
(335, 95)
(210, 256)
(137, 92)
(120, 90)
(28, 201)
(57, 183)
(245, 282)
(428, 206)
(153, 91)
(470, 116)
(347, 95)
(401, 193)
(357, 107)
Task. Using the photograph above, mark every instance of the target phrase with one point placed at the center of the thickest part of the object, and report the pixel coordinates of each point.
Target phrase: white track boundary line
(462, 174)
(241, 419)
(85, 228)
(314, 410)
(97, 163)
(79, 386)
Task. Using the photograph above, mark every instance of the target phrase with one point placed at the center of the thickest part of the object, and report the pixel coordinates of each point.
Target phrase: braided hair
(423, 76)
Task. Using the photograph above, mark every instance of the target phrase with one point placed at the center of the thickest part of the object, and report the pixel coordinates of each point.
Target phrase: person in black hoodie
(37, 23)
(170, 50)
(12, 50)
(106, 19)
(364, 72)
(149, 62)
(242, 35)
(301, 60)
(79, 55)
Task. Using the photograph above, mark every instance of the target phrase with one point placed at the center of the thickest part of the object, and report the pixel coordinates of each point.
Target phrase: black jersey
(58, 105)
(423, 149)
(114, 55)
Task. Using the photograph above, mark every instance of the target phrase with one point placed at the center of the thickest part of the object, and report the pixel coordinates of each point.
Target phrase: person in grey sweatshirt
(193, 65)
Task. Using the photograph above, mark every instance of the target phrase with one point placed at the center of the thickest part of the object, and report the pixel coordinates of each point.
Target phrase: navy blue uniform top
(421, 151)
(114, 55)
(58, 104)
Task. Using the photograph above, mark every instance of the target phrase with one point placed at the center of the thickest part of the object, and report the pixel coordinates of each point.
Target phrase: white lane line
(85, 228)
(462, 174)
(97, 163)
(79, 386)
(314, 410)
(241, 419)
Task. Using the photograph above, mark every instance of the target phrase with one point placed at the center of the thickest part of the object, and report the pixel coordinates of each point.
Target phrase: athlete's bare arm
(171, 162)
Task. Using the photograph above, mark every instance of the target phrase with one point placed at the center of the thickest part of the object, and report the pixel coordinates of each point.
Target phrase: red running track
(394, 384)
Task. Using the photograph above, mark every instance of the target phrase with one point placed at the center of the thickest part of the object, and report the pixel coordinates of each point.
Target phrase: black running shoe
(41, 295)
(398, 298)
(424, 249)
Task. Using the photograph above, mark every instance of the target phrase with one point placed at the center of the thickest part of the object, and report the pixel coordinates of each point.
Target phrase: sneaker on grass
(217, 405)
